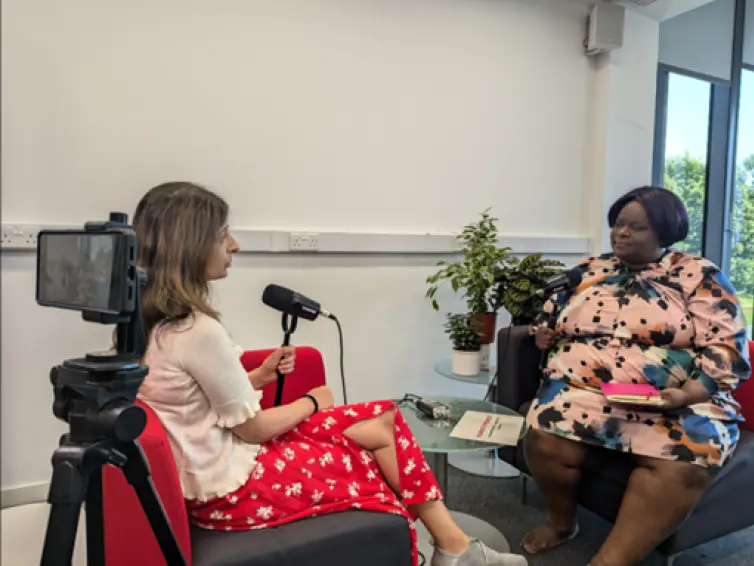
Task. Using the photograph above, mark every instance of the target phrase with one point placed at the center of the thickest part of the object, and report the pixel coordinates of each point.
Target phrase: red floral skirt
(315, 469)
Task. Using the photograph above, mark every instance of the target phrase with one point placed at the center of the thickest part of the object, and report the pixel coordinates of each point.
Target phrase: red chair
(745, 395)
(128, 537)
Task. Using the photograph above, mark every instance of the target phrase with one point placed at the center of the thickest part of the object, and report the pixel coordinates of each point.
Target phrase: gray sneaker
(477, 555)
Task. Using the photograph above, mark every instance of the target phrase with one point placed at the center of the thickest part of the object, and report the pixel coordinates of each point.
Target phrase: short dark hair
(666, 213)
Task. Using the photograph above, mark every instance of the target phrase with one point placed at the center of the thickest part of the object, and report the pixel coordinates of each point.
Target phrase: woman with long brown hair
(242, 467)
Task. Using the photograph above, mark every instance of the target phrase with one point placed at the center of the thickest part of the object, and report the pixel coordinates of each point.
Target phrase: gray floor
(498, 502)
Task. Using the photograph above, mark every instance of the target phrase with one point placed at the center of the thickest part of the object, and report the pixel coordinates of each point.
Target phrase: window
(685, 160)
(742, 219)
(705, 99)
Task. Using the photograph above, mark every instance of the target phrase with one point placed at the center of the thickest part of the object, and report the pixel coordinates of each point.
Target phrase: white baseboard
(25, 494)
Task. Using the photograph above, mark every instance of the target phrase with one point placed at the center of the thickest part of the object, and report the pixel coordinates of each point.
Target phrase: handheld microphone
(564, 281)
(293, 303)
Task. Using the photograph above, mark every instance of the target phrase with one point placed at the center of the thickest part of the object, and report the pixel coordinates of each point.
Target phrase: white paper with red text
(489, 427)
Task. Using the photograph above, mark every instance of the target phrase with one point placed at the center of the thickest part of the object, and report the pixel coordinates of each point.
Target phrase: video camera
(94, 271)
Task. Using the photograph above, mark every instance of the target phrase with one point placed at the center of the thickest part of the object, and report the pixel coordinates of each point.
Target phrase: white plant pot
(466, 363)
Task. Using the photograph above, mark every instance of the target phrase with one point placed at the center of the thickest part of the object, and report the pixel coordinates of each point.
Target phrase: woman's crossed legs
(659, 496)
(378, 436)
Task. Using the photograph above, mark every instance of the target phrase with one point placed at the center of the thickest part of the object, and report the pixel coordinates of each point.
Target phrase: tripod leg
(67, 492)
(95, 520)
(136, 470)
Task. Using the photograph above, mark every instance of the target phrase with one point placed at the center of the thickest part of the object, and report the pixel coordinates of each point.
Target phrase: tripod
(95, 395)
(96, 399)
(289, 327)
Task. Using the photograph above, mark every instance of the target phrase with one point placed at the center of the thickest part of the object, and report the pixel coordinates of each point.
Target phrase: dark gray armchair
(726, 507)
(352, 538)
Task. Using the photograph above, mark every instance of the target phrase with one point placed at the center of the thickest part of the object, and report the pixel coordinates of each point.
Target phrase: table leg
(485, 464)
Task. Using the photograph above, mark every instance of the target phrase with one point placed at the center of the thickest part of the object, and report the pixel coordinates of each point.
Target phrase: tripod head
(94, 271)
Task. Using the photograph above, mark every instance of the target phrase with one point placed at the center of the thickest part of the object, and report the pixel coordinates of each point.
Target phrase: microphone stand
(289, 327)
(552, 321)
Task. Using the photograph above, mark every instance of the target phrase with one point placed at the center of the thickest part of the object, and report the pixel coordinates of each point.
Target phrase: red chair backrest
(745, 395)
(128, 537)
(309, 373)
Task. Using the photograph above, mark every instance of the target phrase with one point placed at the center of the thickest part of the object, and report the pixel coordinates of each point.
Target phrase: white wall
(622, 122)
(411, 115)
(368, 106)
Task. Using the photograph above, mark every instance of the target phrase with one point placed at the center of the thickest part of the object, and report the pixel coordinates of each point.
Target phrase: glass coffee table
(435, 441)
(480, 463)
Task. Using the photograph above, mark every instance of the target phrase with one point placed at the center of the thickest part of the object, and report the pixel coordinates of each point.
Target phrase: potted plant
(520, 282)
(466, 339)
(476, 273)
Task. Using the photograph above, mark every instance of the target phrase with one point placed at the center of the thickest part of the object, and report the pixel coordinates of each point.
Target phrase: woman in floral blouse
(643, 314)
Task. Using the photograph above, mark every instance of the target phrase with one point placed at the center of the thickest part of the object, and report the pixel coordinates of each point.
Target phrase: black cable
(342, 372)
(409, 398)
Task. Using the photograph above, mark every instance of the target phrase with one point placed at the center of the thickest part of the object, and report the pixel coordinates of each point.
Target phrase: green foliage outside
(685, 176)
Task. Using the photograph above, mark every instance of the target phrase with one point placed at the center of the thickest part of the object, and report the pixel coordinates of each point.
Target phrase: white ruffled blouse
(199, 389)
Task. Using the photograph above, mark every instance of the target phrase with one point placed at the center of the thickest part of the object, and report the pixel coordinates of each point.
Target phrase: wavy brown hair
(177, 226)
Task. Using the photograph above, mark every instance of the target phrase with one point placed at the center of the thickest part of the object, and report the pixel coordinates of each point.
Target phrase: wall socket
(304, 242)
(19, 236)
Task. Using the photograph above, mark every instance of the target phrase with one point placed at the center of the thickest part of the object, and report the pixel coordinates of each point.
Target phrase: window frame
(717, 129)
(722, 137)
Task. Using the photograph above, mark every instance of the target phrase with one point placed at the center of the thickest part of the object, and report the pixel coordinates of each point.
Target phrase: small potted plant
(476, 274)
(466, 339)
(520, 282)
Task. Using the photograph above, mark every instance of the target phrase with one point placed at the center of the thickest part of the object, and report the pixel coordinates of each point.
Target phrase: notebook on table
(633, 393)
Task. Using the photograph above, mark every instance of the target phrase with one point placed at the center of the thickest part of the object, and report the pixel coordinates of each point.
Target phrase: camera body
(91, 270)
(94, 271)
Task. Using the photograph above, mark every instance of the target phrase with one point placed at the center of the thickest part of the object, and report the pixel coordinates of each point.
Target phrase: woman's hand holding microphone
(283, 359)
(544, 338)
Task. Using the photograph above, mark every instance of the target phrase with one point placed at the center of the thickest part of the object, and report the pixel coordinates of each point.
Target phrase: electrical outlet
(20, 236)
(304, 242)
(7, 239)
(29, 235)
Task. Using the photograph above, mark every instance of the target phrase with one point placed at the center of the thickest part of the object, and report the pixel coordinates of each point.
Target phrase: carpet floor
(498, 502)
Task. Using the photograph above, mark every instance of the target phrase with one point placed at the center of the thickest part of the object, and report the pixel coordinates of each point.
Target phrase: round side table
(438, 447)
(486, 463)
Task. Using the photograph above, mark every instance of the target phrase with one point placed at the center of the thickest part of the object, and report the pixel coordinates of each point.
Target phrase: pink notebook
(636, 393)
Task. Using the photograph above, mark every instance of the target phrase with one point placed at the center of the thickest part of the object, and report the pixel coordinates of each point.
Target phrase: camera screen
(76, 271)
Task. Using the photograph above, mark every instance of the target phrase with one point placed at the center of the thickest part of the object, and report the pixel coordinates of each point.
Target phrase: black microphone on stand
(564, 281)
(294, 305)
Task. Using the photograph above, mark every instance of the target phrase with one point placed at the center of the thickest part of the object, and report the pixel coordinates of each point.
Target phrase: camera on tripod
(94, 271)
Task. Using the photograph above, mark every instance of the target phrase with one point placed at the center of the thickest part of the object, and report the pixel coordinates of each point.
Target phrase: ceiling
(657, 9)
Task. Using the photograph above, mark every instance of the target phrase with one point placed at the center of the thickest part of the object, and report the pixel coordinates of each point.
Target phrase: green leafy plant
(520, 282)
(464, 332)
(476, 273)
